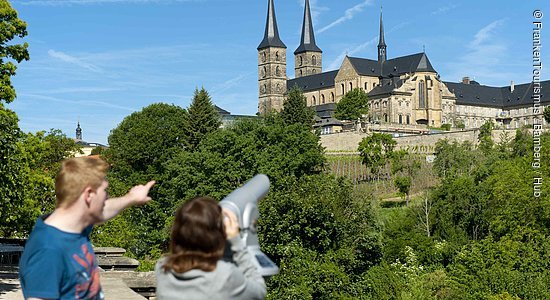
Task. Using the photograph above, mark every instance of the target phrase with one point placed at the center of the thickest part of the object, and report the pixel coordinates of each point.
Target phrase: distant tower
(308, 57)
(78, 132)
(271, 66)
(381, 42)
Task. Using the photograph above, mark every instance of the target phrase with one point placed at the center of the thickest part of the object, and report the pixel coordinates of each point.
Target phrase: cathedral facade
(405, 90)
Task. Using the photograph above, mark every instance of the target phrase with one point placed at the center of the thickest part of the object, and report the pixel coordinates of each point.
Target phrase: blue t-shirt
(59, 265)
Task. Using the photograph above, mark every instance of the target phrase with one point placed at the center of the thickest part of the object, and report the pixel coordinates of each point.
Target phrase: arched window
(331, 97)
(408, 119)
(264, 72)
(264, 56)
(314, 101)
(277, 56)
(366, 86)
(301, 60)
(301, 73)
(322, 98)
(264, 89)
(373, 85)
(278, 89)
(385, 117)
(314, 60)
(421, 94)
(343, 89)
(277, 71)
(350, 86)
(400, 119)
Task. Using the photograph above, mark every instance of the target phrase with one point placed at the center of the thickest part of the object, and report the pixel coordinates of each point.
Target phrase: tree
(546, 114)
(10, 27)
(202, 118)
(376, 149)
(485, 137)
(139, 148)
(144, 140)
(295, 110)
(352, 106)
(403, 184)
(11, 172)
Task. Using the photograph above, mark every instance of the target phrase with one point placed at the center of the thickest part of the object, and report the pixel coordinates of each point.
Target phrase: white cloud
(486, 33)
(74, 60)
(486, 58)
(93, 103)
(444, 9)
(348, 15)
(90, 2)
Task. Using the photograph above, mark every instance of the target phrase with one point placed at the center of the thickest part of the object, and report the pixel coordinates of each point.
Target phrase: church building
(404, 90)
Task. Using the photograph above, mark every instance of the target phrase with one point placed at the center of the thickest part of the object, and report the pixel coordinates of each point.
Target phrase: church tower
(381, 43)
(308, 57)
(78, 132)
(271, 66)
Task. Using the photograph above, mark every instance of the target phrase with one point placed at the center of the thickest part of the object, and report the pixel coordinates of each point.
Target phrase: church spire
(307, 42)
(381, 43)
(271, 36)
(78, 132)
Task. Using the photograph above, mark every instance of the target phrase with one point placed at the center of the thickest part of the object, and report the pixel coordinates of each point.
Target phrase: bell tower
(271, 66)
(308, 57)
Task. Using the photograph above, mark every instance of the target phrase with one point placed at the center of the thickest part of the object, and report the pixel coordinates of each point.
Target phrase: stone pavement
(114, 288)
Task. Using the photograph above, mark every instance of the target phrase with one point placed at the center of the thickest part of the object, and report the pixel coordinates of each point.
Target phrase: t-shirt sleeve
(43, 275)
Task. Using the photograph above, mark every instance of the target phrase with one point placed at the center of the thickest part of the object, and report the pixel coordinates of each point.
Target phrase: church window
(277, 56)
(366, 86)
(400, 103)
(373, 85)
(385, 103)
(278, 89)
(385, 117)
(314, 60)
(332, 97)
(301, 73)
(400, 119)
(301, 60)
(408, 119)
(277, 71)
(264, 89)
(264, 72)
(421, 94)
(323, 99)
(314, 101)
(350, 86)
(264, 56)
(343, 89)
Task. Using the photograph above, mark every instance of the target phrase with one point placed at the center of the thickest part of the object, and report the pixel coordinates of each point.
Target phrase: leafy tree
(376, 149)
(201, 119)
(295, 110)
(352, 106)
(11, 27)
(485, 137)
(11, 172)
(144, 140)
(139, 147)
(403, 184)
(546, 114)
(454, 159)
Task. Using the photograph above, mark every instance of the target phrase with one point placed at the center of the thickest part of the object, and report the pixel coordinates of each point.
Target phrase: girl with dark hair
(194, 270)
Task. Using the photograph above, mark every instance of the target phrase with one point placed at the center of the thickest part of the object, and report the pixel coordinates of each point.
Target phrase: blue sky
(98, 61)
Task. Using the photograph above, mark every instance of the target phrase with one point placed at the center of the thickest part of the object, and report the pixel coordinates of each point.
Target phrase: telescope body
(243, 202)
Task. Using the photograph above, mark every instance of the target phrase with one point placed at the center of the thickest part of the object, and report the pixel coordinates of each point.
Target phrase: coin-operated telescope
(244, 203)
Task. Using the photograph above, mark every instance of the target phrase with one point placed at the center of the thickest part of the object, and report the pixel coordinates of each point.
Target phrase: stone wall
(349, 141)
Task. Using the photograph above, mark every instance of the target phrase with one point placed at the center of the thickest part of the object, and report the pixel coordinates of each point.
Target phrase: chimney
(466, 80)
(512, 86)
